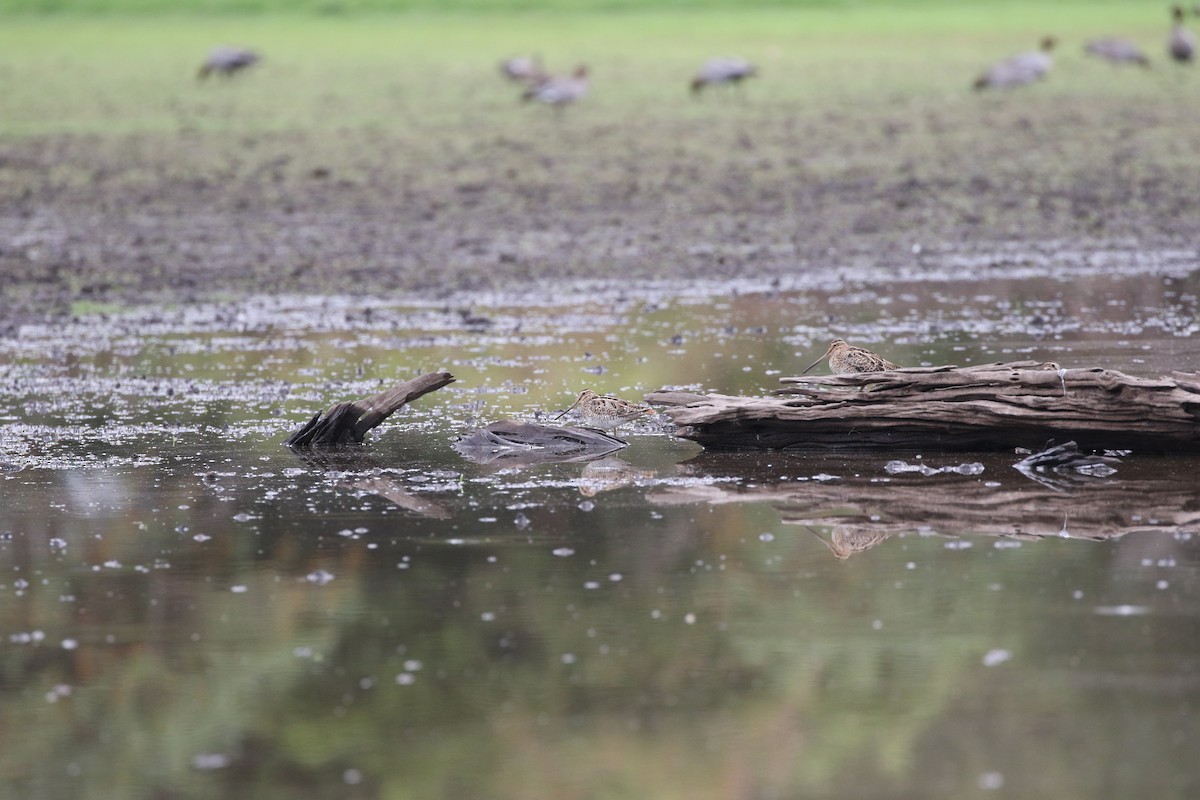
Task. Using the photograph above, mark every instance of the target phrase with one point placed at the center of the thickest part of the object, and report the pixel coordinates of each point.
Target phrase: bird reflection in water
(847, 540)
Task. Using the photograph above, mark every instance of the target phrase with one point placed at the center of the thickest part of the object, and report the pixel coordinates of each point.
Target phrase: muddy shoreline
(192, 216)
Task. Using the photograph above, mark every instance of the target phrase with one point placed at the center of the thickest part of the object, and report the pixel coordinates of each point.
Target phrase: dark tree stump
(348, 422)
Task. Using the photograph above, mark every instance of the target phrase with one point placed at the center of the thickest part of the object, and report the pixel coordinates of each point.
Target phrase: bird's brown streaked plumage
(604, 411)
(845, 358)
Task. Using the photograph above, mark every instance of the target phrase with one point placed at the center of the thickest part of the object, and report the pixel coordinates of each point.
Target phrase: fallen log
(348, 422)
(518, 444)
(988, 407)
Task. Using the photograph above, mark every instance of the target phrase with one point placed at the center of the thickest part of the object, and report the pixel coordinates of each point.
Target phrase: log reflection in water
(858, 512)
(346, 467)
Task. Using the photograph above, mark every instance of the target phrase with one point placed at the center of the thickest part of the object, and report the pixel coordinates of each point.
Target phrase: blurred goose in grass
(729, 71)
(560, 92)
(1182, 43)
(523, 69)
(226, 60)
(1117, 50)
(1019, 70)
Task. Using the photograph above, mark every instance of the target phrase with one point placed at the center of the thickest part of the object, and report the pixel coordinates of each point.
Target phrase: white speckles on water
(1122, 611)
(996, 656)
(877, 625)
(201, 537)
(320, 577)
(563, 552)
(413, 665)
(239, 589)
(1161, 584)
(488, 616)
(568, 658)
(406, 679)
(689, 618)
(352, 777)
(958, 544)
(586, 505)
(69, 644)
(210, 761)
(991, 781)
(616, 577)
(59, 691)
(766, 537)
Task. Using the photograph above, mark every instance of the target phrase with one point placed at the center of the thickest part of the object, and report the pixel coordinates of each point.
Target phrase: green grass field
(106, 75)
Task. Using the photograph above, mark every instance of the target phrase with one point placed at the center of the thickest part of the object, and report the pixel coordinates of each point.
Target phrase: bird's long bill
(563, 413)
(818, 361)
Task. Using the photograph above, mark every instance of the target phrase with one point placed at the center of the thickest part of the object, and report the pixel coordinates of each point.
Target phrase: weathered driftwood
(854, 512)
(990, 407)
(522, 443)
(348, 422)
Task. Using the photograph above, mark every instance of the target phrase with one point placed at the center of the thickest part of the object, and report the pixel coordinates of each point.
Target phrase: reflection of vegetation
(685, 657)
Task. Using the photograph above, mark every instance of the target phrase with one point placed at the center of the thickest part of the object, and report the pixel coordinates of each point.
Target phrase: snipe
(845, 358)
(604, 411)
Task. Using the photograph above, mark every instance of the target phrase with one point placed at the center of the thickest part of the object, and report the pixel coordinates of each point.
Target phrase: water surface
(188, 609)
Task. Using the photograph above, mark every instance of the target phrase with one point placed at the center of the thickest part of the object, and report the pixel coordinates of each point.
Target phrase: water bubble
(69, 644)
(406, 679)
(568, 658)
(587, 505)
(563, 552)
(413, 665)
(352, 777)
(239, 589)
(766, 537)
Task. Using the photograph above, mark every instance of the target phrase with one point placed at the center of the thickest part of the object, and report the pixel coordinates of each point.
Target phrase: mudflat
(380, 156)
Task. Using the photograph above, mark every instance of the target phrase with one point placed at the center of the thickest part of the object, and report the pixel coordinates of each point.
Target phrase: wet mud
(741, 191)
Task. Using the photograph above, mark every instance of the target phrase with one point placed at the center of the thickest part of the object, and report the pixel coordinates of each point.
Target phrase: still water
(188, 609)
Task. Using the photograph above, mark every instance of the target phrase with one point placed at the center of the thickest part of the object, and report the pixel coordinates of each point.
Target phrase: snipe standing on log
(604, 411)
(845, 358)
